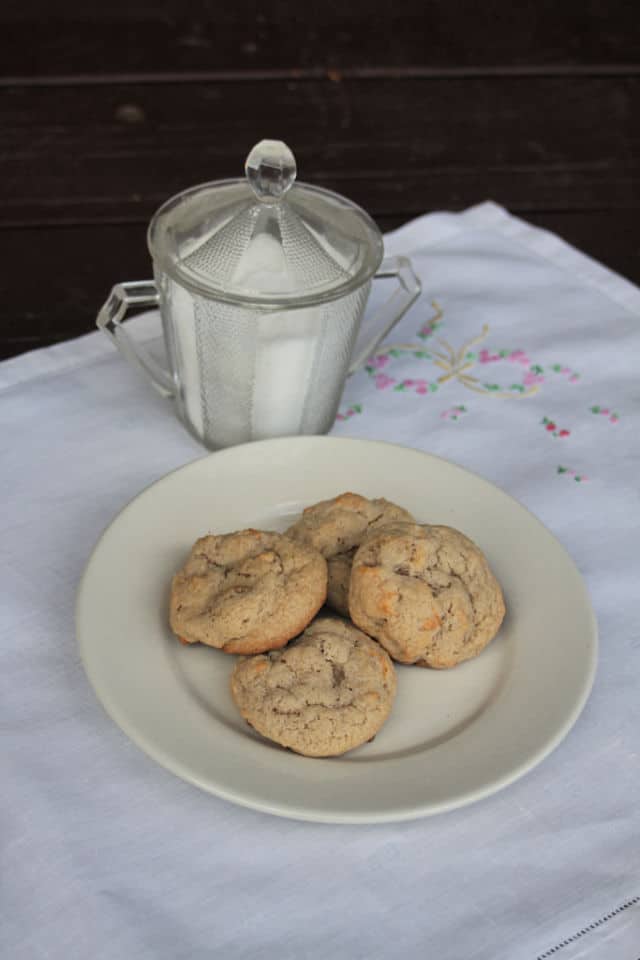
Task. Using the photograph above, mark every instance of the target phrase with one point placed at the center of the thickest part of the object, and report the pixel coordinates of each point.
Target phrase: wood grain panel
(82, 154)
(45, 39)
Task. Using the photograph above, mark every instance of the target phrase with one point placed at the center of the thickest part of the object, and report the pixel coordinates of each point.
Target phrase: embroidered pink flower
(453, 413)
(515, 356)
(428, 328)
(418, 386)
(611, 415)
(379, 361)
(530, 378)
(552, 428)
(485, 357)
(382, 381)
(578, 477)
(570, 374)
(351, 412)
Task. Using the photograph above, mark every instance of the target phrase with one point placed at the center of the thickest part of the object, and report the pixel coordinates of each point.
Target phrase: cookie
(337, 528)
(426, 593)
(247, 592)
(327, 692)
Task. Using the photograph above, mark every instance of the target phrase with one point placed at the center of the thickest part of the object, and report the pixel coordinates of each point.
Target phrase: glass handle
(140, 293)
(394, 308)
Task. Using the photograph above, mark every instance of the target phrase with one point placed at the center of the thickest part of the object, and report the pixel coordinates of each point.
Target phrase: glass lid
(265, 239)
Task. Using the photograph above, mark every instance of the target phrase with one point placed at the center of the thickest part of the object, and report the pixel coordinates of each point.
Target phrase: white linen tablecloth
(520, 362)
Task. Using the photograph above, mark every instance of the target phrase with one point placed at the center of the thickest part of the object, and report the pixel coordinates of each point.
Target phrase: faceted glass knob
(270, 169)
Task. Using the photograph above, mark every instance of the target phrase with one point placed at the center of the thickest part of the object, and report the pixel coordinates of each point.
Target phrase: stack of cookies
(420, 594)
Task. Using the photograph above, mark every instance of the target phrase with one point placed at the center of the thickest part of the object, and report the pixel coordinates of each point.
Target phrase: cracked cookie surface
(247, 592)
(327, 692)
(426, 593)
(336, 528)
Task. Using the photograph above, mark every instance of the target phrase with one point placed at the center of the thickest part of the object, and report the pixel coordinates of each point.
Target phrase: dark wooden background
(107, 109)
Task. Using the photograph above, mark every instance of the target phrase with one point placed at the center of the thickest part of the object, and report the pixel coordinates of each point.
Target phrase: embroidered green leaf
(400, 387)
(395, 353)
(518, 387)
(536, 368)
(357, 407)
(370, 369)
(595, 409)
(471, 355)
(556, 367)
(562, 469)
(433, 387)
(503, 353)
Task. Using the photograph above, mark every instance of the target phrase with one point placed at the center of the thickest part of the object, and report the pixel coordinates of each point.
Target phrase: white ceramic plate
(454, 736)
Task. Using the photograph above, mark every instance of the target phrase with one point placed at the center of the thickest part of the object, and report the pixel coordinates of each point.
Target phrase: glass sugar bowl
(261, 283)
